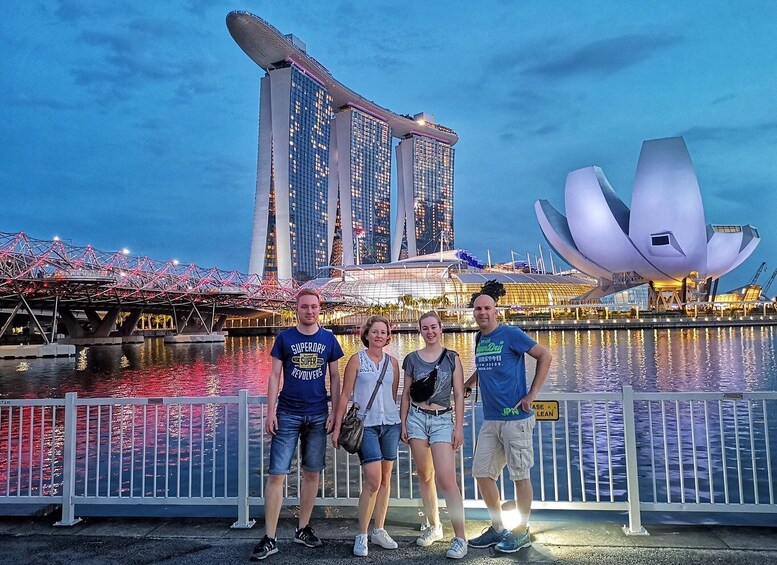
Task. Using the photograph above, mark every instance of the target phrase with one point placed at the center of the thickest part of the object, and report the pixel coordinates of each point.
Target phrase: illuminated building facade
(359, 189)
(447, 281)
(425, 202)
(663, 238)
(290, 224)
(324, 167)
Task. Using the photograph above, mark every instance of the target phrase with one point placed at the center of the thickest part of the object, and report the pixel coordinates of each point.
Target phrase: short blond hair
(308, 292)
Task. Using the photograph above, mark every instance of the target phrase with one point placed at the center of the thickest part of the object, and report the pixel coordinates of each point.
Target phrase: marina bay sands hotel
(324, 167)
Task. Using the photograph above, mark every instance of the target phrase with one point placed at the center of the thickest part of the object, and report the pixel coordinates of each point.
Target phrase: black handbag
(422, 390)
(352, 426)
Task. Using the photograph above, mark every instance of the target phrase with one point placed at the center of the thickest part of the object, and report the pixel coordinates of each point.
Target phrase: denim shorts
(379, 443)
(311, 430)
(428, 427)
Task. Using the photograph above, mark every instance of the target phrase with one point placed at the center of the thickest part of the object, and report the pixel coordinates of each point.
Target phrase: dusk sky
(134, 124)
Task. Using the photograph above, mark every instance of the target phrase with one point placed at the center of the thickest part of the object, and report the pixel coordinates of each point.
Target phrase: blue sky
(134, 124)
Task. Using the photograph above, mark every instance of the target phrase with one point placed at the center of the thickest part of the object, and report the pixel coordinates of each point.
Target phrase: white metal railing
(626, 451)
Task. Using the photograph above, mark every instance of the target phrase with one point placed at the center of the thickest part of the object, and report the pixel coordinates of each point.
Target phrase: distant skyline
(135, 125)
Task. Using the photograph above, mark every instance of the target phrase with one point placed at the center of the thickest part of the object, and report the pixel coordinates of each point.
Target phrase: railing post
(634, 528)
(243, 509)
(69, 463)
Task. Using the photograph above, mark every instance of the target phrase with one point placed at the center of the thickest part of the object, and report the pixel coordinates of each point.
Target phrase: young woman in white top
(433, 434)
(381, 428)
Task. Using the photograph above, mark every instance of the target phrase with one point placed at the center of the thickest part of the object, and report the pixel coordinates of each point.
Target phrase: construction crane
(758, 273)
(769, 282)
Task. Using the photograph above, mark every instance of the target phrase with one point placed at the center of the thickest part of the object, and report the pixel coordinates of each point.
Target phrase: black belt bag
(422, 390)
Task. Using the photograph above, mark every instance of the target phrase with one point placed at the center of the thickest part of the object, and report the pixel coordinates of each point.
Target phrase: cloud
(199, 7)
(598, 58)
(76, 11)
(732, 134)
(516, 130)
(528, 101)
(70, 11)
(136, 58)
(49, 103)
(381, 45)
(546, 129)
(722, 99)
(605, 56)
(743, 195)
(534, 112)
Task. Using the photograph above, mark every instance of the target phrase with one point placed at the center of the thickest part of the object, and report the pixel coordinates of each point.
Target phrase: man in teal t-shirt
(505, 437)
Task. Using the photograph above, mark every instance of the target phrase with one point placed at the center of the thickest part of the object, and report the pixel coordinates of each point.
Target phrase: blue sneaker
(514, 541)
(488, 538)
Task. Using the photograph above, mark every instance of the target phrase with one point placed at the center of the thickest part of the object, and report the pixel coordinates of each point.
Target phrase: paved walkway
(211, 540)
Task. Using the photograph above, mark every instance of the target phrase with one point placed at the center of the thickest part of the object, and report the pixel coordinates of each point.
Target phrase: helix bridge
(71, 281)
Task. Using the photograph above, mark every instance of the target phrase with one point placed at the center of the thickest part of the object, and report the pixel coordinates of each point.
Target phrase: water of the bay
(705, 359)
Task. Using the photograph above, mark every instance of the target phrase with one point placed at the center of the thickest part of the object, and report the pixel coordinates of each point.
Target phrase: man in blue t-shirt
(301, 355)
(505, 437)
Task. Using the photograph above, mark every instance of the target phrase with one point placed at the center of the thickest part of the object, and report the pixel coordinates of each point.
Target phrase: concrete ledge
(215, 337)
(33, 351)
(133, 339)
(90, 341)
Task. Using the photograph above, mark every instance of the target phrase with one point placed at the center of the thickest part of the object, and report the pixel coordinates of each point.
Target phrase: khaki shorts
(503, 443)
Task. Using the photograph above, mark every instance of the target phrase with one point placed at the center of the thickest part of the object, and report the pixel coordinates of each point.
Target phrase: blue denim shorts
(428, 427)
(379, 443)
(311, 430)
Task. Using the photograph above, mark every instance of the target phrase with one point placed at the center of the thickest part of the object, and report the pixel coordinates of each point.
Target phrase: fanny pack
(422, 390)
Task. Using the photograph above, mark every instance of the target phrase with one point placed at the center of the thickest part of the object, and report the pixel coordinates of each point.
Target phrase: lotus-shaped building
(663, 238)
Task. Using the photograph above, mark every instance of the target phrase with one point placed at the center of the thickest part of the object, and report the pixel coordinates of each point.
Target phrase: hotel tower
(324, 168)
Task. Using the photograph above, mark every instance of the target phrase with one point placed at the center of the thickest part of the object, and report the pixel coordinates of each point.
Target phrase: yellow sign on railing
(545, 410)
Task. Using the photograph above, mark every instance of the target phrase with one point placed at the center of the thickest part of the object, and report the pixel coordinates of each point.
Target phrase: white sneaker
(430, 535)
(360, 545)
(380, 537)
(458, 549)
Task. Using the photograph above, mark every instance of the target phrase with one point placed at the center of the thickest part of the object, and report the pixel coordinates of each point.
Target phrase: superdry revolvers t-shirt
(305, 359)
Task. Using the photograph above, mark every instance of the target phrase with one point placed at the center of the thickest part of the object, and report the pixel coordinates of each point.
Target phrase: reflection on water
(704, 359)
(687, 450)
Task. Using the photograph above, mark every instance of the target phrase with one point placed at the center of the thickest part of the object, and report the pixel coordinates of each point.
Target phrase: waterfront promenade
(241, 327)
(183, 541)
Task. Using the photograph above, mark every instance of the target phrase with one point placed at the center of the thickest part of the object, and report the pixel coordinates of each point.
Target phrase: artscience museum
(662, 239)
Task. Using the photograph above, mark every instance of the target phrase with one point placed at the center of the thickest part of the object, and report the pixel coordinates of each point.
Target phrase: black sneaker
(305, 536)
(266, 547)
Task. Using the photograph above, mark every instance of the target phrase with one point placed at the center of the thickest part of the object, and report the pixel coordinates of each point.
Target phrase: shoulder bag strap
(442, 356)
(380, 380)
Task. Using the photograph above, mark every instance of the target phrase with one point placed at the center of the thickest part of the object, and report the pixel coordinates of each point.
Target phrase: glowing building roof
(448, 283)
(268, 48)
